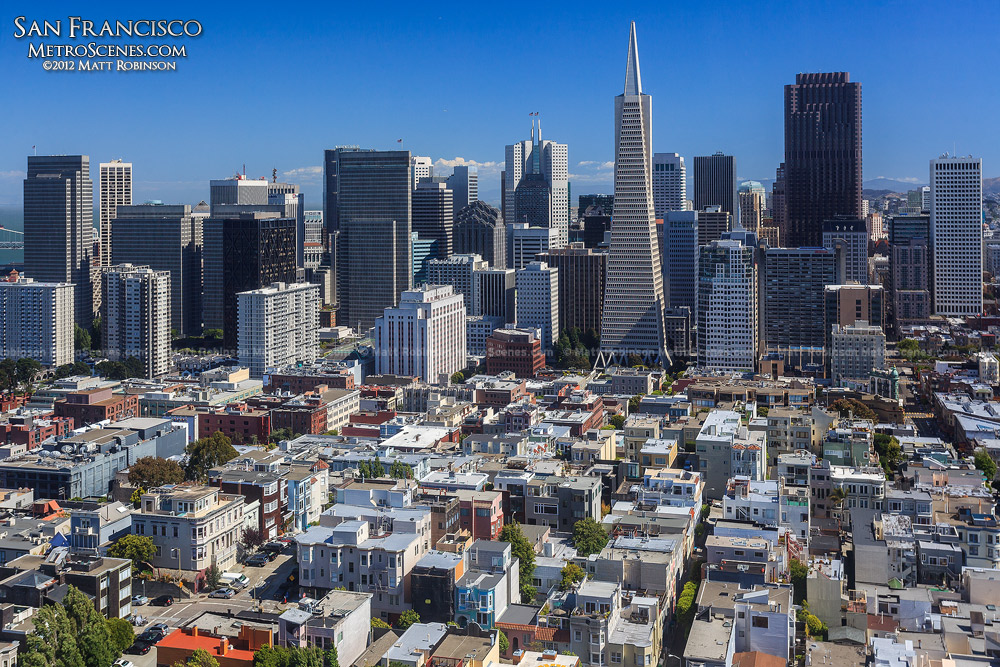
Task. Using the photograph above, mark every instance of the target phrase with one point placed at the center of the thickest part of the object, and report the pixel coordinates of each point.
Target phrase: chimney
(194, 631)
(223, 646)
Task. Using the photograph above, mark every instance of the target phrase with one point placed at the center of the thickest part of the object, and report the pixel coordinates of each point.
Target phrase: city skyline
(455, 126)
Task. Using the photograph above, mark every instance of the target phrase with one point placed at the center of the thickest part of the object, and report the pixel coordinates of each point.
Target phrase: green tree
(53, 642)
(92, 637)
(202, 658)
(521, 549)
(889, 451)
(137, 548)
(121, 634)
(379, 623)
(213, 576)
(589, 537)
(798, 571)
(571, 574)
(986, 464)
(685, 609)
(136, 496)
(617, 421)
(634, 402)
(909, 348)
(502, 640)
(406, 619)
(814, 626)
(458, 377)
(207, 453)
(27, 369)
(152, 471)
(855, 408)
(378, 470)
(399, 470)
(81, 338)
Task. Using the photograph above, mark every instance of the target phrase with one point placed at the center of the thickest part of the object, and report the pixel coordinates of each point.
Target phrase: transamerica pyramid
(632, 321)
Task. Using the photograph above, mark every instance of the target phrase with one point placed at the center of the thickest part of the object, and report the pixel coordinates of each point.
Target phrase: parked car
(274, 547)
(153, 633)
(122, 662)
(139, 600)
(224, 593)
(258, 560)
(163, 600)
(139, 648)
(161, 628)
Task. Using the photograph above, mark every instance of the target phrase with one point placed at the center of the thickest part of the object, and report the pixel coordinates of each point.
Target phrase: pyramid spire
(633, 82)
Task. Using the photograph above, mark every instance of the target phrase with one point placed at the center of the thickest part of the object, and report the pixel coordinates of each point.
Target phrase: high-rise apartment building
(464, 184)
(423, 167)
(371, 193)
(582, 273)
(288, 196)
(669, 184)
(846, 304)
(135, 316)
(495, 293)
(855, 351)
(957, 235)
(457, 271)
(727, 306)
(424, 336)
(165, 238)
(680, 260)
(36, 320)
(241, 253)
(715, 183)
(793, 300)
(850, 236)
(545, 196)
(433, 216)
(538, 300)
(116, 190)
(277, 326)
(822, 154)
(632, 319)
(59, 227)
(909, 281)
(480, 230)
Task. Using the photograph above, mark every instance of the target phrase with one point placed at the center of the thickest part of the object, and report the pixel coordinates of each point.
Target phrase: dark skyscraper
(581, 285)
(822, 154)
(244, 252)
(59, 226)
(480, 230)
(372, 215)
(715, 184)
(433, 216)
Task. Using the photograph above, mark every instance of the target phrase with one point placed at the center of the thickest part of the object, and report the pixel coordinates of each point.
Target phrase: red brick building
(268, 488)
(237, 421)
(306, 380)
(514, 350)
(306, 416)
(481, 513)
(94, 405)
(27, 430)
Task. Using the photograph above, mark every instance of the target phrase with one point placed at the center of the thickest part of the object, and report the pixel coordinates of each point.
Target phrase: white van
(235, 580)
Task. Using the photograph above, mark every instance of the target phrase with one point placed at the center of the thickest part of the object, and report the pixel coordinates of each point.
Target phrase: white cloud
(901, 179)
(462, 162)
(586, 163)
(304, 173)
(13, 175)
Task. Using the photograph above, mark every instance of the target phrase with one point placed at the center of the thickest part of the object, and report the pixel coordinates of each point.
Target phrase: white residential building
(855, 351)
(727, 306)
(192, 527)
(957, 235)
(424, 336)
(277, 326)
(116, 190)
(669, 184)
(538, 300)
(37, 320)
(136, 316)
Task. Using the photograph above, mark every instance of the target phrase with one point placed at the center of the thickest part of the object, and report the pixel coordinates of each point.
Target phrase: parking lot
(269, 587)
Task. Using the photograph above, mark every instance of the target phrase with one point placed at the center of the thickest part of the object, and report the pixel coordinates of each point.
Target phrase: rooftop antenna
(35, 149)
(274, 175)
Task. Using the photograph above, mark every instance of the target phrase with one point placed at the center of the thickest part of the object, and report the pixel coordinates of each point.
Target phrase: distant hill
(890, 185)
(991, 186)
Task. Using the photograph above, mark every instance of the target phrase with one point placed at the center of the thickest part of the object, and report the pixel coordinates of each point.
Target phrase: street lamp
(680, 662)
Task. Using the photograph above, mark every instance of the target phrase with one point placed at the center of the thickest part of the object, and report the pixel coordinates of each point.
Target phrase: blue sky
(272, 85)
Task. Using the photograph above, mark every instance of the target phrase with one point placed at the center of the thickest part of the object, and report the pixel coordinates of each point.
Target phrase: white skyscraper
(135, 316)
(459, 272)
(116, 190)
(957, 235)
(551, 161)
(36, 320)
(632, 320)
(422, 167)
(277, 325)
(727, 306)
(538, 300)
(524, 243)
(424, 336)
(669, 184)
